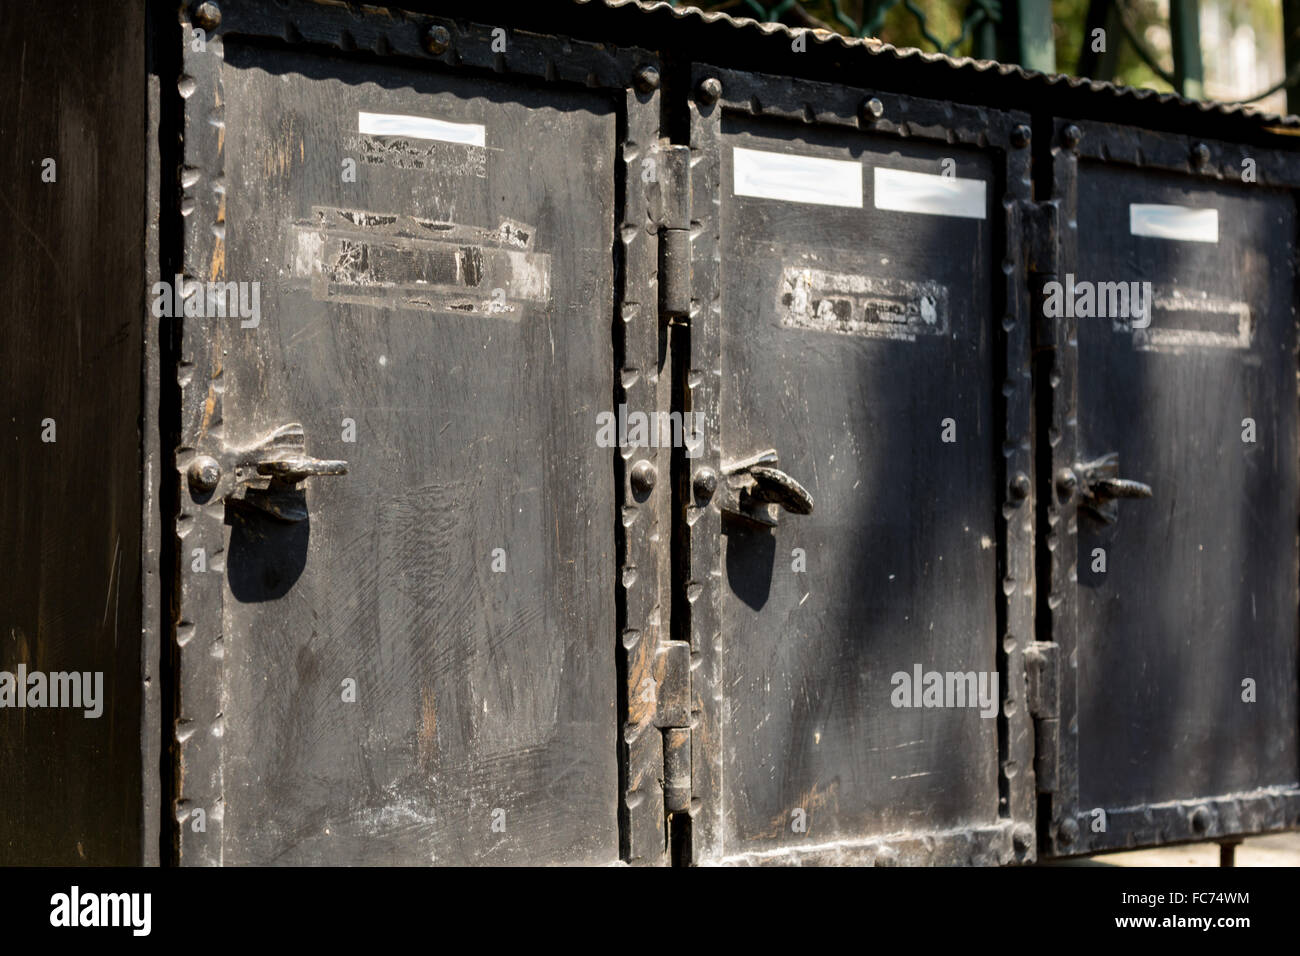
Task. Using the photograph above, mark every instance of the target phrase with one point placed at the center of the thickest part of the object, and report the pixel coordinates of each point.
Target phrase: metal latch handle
(1100, 486)
(262, 475)
(282, 456)
(1120, 488)
(774, 486)
(294, 468)
(753, 486)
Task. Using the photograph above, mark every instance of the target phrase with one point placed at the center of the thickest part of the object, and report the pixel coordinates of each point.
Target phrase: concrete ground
(1277, 849)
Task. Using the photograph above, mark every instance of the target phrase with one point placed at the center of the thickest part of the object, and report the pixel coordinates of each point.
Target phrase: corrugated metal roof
(1011, 78)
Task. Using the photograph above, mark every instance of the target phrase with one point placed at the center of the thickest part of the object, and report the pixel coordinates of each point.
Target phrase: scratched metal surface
(519, 692)
(1199, 588)
(1224, 512)
(850, 381)
(900, 549)
(477, 691)
(980, 810)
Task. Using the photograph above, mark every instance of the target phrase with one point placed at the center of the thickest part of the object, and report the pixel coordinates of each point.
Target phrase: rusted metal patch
(861, 305)
(1182, 320)
(408, 262)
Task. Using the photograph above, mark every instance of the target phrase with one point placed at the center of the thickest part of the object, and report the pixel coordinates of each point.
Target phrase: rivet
(1066, 481)
(1201, 155)
(207, 15)
(1020, 486)
(204, 473)
(1201, 819)
(1071, 136)
(1020, 136)
(1022, 837)
(437, 39)
(1067, 832)
(647, 78)
(705, 483)
(871, 110)
(709, 91)
(643, 477)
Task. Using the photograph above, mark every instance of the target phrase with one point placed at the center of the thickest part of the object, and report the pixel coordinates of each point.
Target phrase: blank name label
(1182, 223)
(806, 179)
(420, 127)
(901, 190)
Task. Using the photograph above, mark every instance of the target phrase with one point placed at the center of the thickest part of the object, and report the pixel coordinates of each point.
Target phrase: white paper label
(807, 179)
(1182, 223)
(420, 127)
(901, 190)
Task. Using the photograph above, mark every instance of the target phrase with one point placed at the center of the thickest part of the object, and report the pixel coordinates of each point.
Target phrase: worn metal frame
(631, 77)
(1067, 832)
(716, 92)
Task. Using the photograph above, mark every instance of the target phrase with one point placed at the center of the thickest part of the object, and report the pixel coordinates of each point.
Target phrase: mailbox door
(412, 662)
(1174, 616)
(855, 312)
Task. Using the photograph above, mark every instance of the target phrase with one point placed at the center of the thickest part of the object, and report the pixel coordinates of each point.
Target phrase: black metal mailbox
(577, 440)
(851, 313)
(1172, 615)
(441, 319)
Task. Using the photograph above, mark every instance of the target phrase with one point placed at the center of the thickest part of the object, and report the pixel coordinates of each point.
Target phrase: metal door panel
(1199, 589)
(806, 756)
(455, 302)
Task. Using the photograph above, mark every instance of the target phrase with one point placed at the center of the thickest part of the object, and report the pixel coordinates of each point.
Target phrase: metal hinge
(1042, 231)
(674, 217)
(1042, 260)
(1042, 670)
(668, 191)
(673, 718)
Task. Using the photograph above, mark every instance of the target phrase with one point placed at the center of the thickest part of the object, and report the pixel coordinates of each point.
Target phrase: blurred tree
(1137, 37)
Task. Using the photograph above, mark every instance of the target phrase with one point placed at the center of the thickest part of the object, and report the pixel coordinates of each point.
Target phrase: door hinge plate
(673, 718)
(1042, 261)
(1042, 231)
(673, 213)
(1042, 670)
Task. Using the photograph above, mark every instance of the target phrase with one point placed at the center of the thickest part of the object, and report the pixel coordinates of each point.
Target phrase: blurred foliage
(901, 25)
(950, 26)
(1141, 16)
